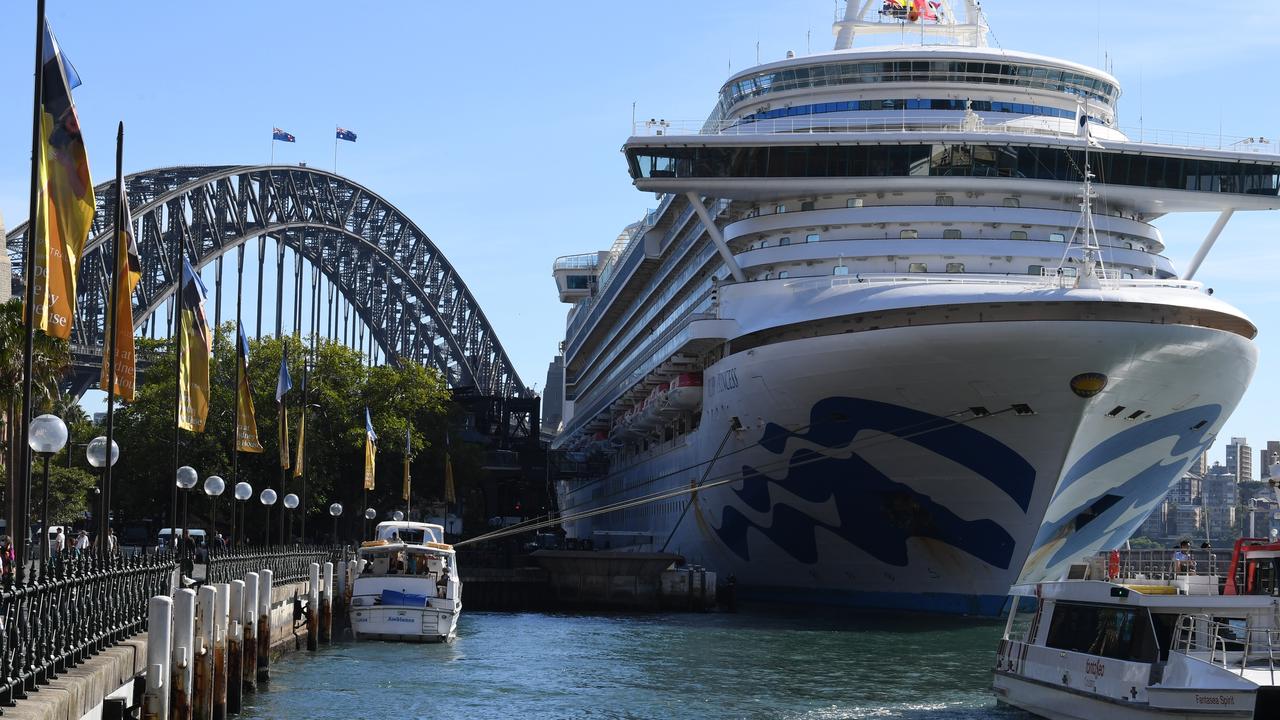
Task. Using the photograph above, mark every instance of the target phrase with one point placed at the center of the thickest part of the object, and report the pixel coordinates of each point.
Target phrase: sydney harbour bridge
(376, 269)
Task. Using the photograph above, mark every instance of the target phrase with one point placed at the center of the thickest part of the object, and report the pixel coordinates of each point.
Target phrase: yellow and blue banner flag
(370, 449)
(408, 448)
(65, 202)
(195, 352)
(127, 274)
(302, 439)
(283, 385)
(246, 420)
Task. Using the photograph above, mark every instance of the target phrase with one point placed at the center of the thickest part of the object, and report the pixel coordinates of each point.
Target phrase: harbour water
(744, 665)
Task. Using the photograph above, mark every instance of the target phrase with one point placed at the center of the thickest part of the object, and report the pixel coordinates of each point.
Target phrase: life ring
(1113, 565)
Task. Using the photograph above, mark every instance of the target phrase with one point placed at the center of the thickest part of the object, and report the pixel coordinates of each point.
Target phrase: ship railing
(1234, 646)
(933, 124)
(1161, 566)
(1048, 280)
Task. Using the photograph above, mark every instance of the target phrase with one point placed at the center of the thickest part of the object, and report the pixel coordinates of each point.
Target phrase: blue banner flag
(344, 134)
(282, 136)
(283, 384)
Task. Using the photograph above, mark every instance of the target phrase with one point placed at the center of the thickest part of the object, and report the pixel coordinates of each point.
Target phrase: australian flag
(344, 134)
(282, 136)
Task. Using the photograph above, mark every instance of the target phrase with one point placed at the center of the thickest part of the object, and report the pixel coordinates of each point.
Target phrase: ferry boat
(407, 588)
(928, 363)
(1142, 635)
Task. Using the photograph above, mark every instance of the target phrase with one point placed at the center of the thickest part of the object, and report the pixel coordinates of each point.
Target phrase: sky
(497, 127)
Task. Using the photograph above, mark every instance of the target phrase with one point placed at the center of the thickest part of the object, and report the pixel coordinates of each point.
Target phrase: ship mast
(935, 21)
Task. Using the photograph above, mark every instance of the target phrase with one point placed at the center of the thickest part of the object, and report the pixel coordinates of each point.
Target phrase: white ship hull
(862, 474)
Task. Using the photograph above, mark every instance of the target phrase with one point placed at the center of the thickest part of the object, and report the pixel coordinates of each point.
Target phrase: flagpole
(273, 146)
(335, 149)
(235, 425)
(23, 519)
(178, 257)
(104, 524)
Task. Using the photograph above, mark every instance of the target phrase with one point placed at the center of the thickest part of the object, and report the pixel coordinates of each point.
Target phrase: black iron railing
(57, 614)
(287, 564)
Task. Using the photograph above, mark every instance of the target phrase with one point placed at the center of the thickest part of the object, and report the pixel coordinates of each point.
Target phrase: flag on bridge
(283, 385)
(195, 352)
(246, 421)
(127, 274)
(302, 440)
(65, 202)
(344, 134)
(282, 136)
(370, 449)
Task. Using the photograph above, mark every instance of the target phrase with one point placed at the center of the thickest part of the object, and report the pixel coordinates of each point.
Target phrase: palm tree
(49, 362)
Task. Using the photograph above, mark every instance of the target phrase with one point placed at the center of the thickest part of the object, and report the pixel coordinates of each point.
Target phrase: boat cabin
(414, 533)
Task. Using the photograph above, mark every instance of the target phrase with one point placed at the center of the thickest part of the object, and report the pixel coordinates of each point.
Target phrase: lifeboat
(650, 417)
(685, 392)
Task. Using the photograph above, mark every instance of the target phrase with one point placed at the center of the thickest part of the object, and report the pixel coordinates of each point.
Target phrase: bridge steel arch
(397, 280)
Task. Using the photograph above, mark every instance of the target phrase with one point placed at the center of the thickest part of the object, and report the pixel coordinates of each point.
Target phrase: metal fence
(57, 614)
(287, 564)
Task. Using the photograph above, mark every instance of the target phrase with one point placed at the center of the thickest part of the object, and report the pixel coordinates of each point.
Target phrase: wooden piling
(155, 699)
(326, 606)
(264, 625)
(202, 686)
(184, 613)
(249, 644)
(221, 600)
(235, 647)
(313, 608)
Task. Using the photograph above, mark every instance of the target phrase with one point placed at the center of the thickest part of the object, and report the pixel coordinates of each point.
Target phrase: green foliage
(339, 387)
(1144, 543)
(71, 493)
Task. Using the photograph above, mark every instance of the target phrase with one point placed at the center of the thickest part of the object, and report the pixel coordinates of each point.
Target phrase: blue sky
(497, 127)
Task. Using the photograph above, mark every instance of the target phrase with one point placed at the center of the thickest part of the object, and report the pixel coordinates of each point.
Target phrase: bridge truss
(398, 283)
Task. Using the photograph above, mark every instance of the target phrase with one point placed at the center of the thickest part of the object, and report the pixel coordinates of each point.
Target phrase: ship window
(944, 200)
(1121, 633)
(841, 270)
(780, 209)
(908, 234)
(918, 268)
(1018, 235)
(782, 275)
(1128, 276)
(812, 237)
(807, 205)
(784, 241)
(853, 203)
(951, 234)
(955, 267)
(1012, 202)
(768, 276)
(1057, 237)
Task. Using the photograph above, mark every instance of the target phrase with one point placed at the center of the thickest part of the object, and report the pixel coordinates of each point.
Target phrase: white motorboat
(1146, 634)
(408, 587)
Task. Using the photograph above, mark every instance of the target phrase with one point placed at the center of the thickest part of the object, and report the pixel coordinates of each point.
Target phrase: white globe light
(214, 485)
(397, 516)
(370, 513)
(244, 491)
(291, 501)
(187, 477)
(47, 434)
(96, 452)
(268, 497)
(335, 509)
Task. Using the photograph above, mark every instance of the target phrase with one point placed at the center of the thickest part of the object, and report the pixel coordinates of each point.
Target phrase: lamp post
(96, 453)
(267, 498)
(290, 503)
(369, 514)
(243, 492)
(335, 510)
(46, 435)
(213, 487)
(186, 479)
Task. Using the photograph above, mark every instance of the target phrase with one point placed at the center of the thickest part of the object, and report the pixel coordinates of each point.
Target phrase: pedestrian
(59, 543)
(111, 541)
(6, 554)
(82, 543)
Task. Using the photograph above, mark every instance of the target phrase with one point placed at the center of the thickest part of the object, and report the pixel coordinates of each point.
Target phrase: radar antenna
(937, 21)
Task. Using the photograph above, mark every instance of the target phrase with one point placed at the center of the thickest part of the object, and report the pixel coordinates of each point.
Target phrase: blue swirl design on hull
(876, 513)
(1191, 430)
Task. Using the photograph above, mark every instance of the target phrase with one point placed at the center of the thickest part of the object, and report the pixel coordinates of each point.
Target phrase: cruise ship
(900, 332)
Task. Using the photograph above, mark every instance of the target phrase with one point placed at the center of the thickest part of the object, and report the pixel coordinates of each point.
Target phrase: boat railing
(1233, 647)
(1161, 565)
(1047, 280)
(934, 124)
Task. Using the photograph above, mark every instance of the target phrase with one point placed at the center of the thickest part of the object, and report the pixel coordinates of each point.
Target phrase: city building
(1268, 456)
(1240, 459)
(1219, 499)
(6, 271)
(553, 396)
(1201, 465)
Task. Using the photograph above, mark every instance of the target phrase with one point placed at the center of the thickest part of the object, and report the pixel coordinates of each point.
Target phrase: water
(747, 665)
